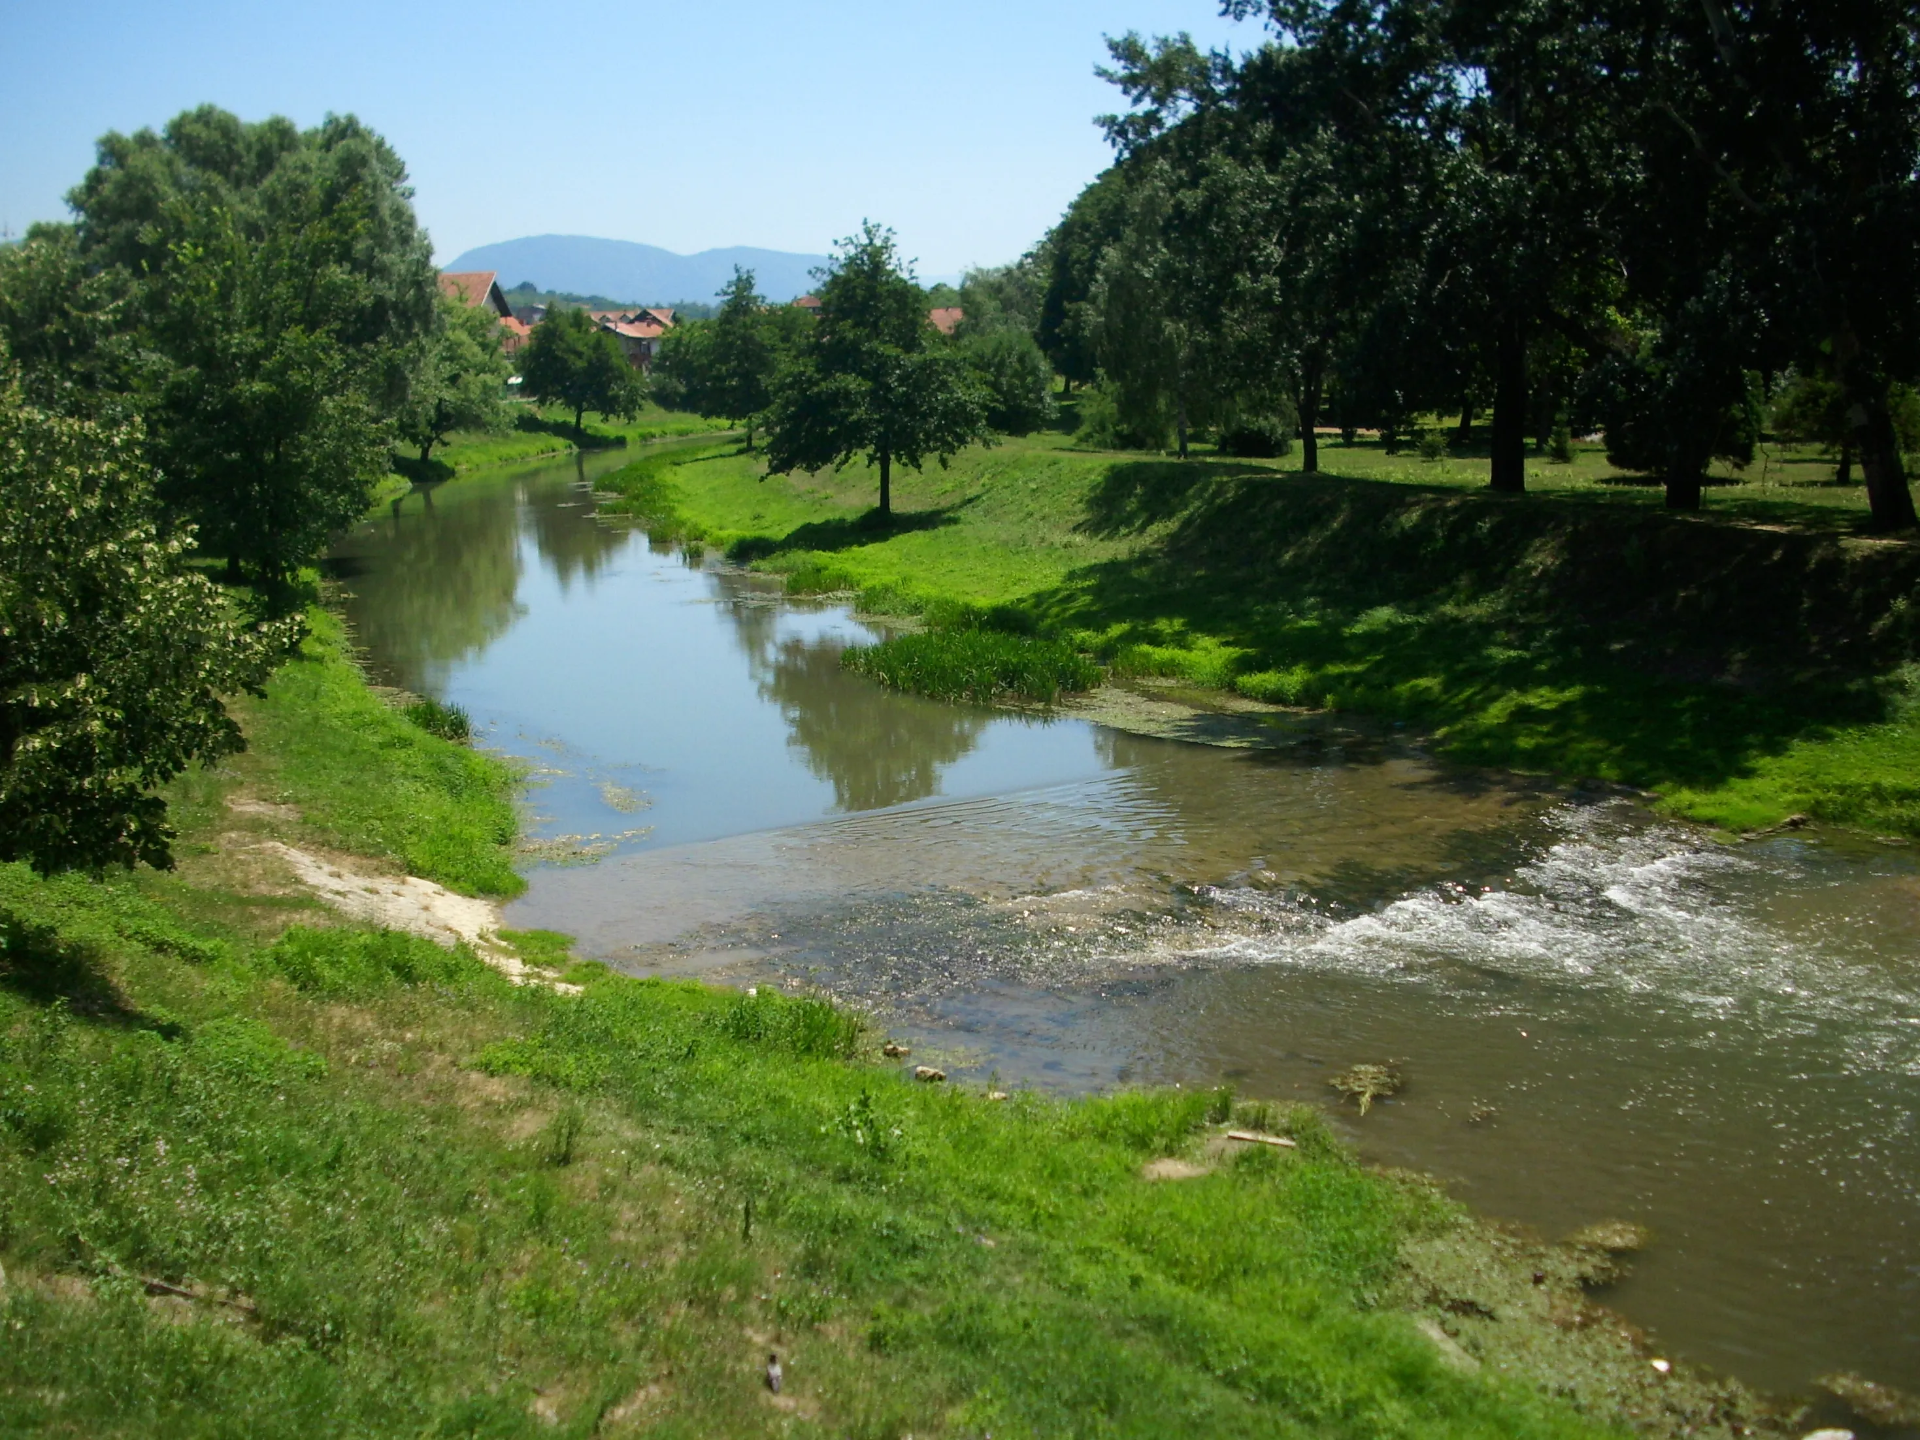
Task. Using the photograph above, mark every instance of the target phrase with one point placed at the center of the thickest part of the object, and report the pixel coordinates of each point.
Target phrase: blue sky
(965, 127)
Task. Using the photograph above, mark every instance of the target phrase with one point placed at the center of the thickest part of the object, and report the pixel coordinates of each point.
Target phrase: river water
(1599, 1014)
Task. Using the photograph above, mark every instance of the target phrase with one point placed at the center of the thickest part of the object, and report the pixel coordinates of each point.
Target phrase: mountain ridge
(634, 273)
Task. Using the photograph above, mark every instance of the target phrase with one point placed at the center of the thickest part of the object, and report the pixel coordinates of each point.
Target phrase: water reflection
(560, 523)
(433, 581)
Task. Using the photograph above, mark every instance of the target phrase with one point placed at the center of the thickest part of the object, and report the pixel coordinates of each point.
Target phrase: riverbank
(266, 1173)
(1747, 664)
(539, 432)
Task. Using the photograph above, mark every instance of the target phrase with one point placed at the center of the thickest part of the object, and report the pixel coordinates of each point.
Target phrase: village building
(637, 329)
(479, 288)
(946, 318)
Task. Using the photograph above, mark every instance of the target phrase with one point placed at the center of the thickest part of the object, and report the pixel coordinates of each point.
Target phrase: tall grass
(975, 664)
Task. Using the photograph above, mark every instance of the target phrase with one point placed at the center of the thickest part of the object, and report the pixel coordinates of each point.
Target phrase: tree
(1013, 376)
(113, 658)
(574, 363)
(280, 288)
(744, 347)
(1070, 256)
(866, 381)
(460, 383)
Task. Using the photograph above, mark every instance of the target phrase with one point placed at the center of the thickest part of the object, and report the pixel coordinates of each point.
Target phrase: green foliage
(114, 661)
(281, 288)
(865, 381)
(1014, 377)
(573, 363)
(449, 722)
(975, 664)
(724, 368)
(803, 1026)
(1257, 437)
(460, 383)
(66, 325)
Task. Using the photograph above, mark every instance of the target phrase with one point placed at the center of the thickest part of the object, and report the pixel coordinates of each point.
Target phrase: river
(1600, 1015)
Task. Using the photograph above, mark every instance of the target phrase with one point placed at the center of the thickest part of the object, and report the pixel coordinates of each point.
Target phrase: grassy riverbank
(265, 1175)
(1749, 662)
(541, 431)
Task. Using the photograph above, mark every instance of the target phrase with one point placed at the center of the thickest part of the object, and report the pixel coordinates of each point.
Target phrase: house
(946, 318)
(638, 330)
(529, 314)
(809, 303)
(476, 287)
(518, 333)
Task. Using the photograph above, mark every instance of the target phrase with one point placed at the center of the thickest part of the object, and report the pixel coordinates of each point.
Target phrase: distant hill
(635, 274)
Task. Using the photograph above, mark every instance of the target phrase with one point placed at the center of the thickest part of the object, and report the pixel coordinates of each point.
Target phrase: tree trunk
(886, 484)
(1843, 472)
(1310, 418)
(1510, 409)
(1683, 492)
(579, 428)
(1870, 429)
(426, 449)
(1180, 427)
(233, 576)
(1463, 435)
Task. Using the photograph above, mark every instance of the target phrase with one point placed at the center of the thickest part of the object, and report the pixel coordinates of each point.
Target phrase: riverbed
(1600, 1014)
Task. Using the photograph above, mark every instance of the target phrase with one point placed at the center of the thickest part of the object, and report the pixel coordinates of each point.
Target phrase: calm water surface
(1599, 1015)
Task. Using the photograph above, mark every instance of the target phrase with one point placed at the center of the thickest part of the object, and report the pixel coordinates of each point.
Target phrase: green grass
(972, 664)
(262, 1176)
(367, 779)
(1741, 661)
(543, 430)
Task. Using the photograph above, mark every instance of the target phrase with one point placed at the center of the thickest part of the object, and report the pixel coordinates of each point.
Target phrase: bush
(449, 722)
(975, 664)
(1263, 438)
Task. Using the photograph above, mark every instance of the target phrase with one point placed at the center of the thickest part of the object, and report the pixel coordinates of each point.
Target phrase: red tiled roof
(471, 286)
(643, 328)
(808, 302)
(945, 317)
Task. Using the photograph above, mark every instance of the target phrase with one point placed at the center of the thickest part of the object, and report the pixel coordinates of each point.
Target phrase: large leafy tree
(572, 362)
(461, 379)
(867, 381)
(281, 288)
(113, 657)
(1794, 129)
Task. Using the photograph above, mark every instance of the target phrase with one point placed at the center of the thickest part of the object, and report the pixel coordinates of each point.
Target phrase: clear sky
(968, 128)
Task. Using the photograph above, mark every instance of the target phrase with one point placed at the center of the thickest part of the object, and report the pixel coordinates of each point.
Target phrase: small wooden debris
(1254, 1137)
(996, 1094)
(928, 1073)
(1367, 1083)
(774, 1375)
(893, 1050)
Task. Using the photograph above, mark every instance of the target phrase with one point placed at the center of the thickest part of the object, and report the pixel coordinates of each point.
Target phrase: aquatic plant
(984, 665)
(449, 722)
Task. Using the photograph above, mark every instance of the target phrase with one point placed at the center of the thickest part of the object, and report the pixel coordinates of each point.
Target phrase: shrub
(975, 664)
(1261, 438)
(357, 961)
(449, 722)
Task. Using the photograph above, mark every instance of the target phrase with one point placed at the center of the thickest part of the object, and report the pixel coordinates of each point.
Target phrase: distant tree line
(1652, 218)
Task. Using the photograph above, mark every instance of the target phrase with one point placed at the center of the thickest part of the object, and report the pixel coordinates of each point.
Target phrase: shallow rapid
(1600, 1014)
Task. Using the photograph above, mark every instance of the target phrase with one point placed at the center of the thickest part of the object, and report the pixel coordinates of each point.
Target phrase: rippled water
(1599, 1015)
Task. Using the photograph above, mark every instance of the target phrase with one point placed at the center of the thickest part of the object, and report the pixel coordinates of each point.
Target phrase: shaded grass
(369, 780)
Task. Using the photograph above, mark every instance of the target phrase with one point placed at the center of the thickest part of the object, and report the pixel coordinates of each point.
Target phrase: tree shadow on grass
(1589, 641)
(43, 966)
(868, 528)
(1140, 494)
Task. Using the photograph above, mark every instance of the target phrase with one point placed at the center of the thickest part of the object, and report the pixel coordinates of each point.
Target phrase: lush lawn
(268, 1181)
(1745, 661)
